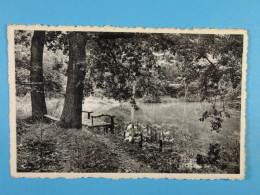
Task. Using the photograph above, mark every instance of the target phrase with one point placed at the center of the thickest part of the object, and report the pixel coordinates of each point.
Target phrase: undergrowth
(43, 147)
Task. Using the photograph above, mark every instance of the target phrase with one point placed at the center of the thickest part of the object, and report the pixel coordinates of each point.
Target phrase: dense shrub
(151, 99)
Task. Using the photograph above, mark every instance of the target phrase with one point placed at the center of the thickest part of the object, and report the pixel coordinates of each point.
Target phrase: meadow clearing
(190, 136)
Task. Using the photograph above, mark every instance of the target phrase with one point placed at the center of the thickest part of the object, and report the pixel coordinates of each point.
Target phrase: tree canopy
(205, 67)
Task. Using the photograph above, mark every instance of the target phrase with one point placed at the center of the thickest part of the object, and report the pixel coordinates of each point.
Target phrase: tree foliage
(205, 66)
(54, 62)
(118, 63)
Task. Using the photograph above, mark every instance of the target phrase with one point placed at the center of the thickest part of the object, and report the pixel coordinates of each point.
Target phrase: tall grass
(190, 136)
(24, 108)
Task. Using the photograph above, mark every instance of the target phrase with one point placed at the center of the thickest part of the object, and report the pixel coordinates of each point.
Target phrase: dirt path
(127, 163)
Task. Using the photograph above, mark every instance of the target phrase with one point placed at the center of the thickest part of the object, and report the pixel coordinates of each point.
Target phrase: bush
(151, 99)
(37, 150)
(219, 159)
(193, 98)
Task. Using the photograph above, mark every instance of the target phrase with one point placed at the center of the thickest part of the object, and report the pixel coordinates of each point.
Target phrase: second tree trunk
(72, 112)
(36, 75)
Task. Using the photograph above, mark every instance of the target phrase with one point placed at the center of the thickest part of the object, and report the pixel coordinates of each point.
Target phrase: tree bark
(186, 88)
(132, 107)
(133, 112)
(36, 75)
(72, 112)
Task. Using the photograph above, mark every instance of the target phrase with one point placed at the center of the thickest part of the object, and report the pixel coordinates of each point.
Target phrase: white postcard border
(192, 176)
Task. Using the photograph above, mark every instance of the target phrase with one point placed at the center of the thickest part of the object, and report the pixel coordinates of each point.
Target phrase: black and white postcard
(127, 102)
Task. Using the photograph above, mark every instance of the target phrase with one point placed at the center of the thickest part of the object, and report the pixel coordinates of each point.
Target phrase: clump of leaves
(216, 117)
(220, 158)
(212, 156)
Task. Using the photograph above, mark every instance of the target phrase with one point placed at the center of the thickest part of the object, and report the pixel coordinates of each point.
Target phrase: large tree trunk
(36, 75)
(72, 112)
(132, 107)
(186, 88)
(133, 112)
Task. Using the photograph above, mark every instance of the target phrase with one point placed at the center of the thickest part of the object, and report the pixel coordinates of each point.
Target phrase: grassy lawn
(48, 147)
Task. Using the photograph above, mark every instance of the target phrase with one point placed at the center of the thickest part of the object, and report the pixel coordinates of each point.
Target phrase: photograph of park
(127, 102)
